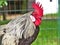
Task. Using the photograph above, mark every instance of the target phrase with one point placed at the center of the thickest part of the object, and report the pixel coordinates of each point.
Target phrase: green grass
(4, 22)
(48, 34)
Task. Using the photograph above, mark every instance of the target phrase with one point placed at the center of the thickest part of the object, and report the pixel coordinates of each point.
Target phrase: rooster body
(23, 30)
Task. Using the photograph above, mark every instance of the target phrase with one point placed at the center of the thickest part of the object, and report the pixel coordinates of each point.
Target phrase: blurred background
(50, 27)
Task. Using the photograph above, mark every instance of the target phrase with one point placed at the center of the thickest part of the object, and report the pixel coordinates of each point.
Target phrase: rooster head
(37, 13)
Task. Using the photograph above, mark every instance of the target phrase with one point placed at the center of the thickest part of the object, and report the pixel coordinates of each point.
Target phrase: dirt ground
(12, 16)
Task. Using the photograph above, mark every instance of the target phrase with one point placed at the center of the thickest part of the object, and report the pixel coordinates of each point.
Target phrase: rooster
(24, 29)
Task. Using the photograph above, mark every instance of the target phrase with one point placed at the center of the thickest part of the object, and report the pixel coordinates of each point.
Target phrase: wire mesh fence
(48, 34)
(16, 7)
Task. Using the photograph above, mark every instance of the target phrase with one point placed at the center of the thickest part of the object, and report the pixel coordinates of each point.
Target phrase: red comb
(37, 13)
(38, 9)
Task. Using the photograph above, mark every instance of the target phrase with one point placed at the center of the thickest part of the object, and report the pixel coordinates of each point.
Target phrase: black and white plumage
(16, 28)
(24, 29)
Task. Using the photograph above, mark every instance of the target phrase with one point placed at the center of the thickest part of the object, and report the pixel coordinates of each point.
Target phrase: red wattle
(37, 22)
